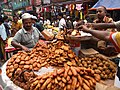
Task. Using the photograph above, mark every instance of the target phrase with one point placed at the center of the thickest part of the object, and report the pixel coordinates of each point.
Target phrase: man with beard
(113, 37)
(28, 36)
(101, 13)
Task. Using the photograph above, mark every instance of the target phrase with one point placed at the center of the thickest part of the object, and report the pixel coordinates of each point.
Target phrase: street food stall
(54, 66)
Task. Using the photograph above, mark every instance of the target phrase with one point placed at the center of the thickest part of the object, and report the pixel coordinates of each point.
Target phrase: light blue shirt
(3, 32)
(27, 39)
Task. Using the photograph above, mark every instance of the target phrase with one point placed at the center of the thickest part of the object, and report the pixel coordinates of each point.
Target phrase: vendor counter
(64, 69)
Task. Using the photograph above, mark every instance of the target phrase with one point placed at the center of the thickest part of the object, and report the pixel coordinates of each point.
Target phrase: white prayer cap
(68, 17)
(26, 16)
(34, 17)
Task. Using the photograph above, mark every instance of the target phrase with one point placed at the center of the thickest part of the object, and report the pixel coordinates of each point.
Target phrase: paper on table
(84, 34)
(44, 70)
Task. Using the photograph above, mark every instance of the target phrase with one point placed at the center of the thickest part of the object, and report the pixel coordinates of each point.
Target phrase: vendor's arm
(44, 32)
(106, 25)
(17, 45)
(103, 35)
(16, 42)
(103, 25)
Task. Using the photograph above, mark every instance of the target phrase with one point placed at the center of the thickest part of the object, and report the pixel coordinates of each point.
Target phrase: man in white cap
(28, 36)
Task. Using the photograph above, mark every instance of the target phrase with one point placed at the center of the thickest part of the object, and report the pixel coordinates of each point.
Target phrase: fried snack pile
(60, 35)
(66, 78)
(23, 78)
(73, 33)
(54, 54)
(61, 53)
(102, 66)
(69, 32)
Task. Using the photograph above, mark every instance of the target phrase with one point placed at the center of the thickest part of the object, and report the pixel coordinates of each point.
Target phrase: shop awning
(70, 2)
(62, 2)
(109, 4)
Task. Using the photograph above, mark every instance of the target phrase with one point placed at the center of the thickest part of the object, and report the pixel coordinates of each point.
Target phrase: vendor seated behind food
(28, 36)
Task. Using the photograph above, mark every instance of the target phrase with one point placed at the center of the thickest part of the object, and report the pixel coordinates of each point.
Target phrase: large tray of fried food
(100, 64)
(77, 35)
(22, 66)
(66, 78)
(64, 34)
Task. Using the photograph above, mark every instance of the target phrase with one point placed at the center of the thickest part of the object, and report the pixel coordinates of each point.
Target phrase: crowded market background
(72, 36)
(45, 11)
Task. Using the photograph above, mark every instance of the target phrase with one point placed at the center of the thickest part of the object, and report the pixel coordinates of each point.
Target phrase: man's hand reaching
(83, 28)
(25, 48)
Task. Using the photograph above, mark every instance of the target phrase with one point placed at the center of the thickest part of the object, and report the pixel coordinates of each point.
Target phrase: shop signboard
(7, 12)
(6, 9)
(20, 4)
(62, 1)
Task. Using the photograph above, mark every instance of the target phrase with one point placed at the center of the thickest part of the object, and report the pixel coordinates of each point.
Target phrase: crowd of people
(22, 29)
(15, 28)
(26, 31)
